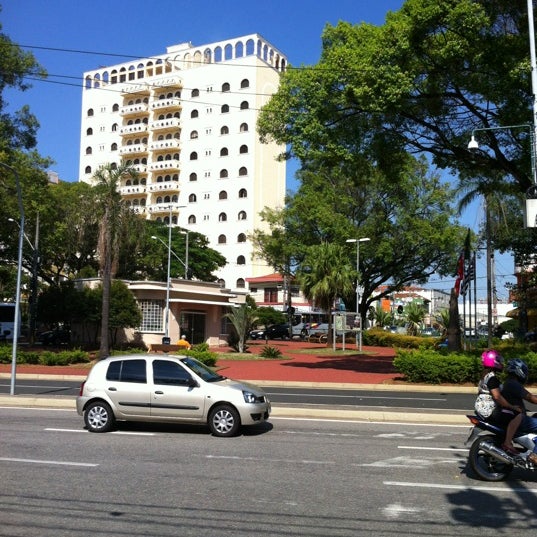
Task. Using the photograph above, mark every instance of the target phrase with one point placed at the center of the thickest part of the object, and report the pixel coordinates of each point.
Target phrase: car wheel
(224, 420)
(98, 417)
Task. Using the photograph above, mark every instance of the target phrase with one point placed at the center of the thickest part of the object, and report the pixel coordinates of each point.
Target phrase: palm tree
(414, 315)
(242, 319)
(106, 181)
(325, 276)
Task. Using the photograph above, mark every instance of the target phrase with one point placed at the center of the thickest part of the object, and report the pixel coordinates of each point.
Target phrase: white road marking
(36, 461)
(395, 509)
(264, 459)
(423, 448)
(408, 462)
(459, 487)
(334, 396)
(126, 433)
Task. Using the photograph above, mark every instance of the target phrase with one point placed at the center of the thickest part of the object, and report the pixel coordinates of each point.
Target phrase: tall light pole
(358, 286)
(186, 232)
(16, 327)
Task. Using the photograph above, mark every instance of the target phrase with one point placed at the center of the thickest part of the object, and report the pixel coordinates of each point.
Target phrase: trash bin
(166, 340)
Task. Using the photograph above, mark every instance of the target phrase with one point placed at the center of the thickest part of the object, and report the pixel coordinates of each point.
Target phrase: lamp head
(472, 144)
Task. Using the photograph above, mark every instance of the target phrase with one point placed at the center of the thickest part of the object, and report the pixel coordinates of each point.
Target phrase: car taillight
(81, 388)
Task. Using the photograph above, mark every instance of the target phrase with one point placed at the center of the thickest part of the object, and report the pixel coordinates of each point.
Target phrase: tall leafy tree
(420, 83)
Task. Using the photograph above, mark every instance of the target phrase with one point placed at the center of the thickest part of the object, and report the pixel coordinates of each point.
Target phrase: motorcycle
(487, 458)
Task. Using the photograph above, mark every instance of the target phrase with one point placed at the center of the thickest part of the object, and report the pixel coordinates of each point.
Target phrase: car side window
(169, 373)
(127, 371)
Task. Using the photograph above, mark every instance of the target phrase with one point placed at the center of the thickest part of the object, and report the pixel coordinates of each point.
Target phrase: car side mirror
(192, 383)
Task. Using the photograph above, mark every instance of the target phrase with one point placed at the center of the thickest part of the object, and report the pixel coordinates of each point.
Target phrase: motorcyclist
(514, 392)
(490, 403)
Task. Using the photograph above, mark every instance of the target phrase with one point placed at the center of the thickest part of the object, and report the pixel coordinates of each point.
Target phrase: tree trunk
(454, 327)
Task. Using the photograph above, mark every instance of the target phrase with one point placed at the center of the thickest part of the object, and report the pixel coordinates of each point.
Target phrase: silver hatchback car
(159, 388)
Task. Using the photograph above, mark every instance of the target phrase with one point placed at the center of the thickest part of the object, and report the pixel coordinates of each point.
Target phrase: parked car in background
(55, 337)
(258, 333)
(278, 331)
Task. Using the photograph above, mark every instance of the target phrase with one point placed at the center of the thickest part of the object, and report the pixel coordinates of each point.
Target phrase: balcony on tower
(165, 145)
(165, 124)
(165, 165)
(134, 109)
(133, 128)
(133, 149)
(172, 103)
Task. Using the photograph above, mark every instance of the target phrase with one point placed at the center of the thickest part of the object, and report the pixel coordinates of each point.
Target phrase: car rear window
(127, 371)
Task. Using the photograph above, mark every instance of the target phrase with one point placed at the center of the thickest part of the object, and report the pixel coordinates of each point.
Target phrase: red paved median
(304, 362)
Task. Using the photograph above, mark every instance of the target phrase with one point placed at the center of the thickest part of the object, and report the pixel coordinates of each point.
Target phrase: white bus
(7, 321)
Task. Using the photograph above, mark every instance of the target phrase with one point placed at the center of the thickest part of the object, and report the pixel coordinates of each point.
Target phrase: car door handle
(158, 392)
(112, 389)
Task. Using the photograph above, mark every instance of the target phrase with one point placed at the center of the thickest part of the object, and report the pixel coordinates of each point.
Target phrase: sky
(99, 33)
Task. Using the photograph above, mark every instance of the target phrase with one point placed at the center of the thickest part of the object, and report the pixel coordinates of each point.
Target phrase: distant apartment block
(186, 121)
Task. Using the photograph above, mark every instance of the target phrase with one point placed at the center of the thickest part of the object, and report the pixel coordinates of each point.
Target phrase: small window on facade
(87, 169)
(192, 198)
(191, 219)
(193, 177)
(245, 83)
(241, 283)
(244, 105)
(90, 112)
(223, 174)
(241, 260)
(224, 130)
(225, 87)
(194, 114)
(89, 132)
(241, 237)
(89, 151)
(243, 193)
(224, 109)
(113, 147)
(222, 217)
(243, 149)
(243, 171)
(224, 152)
(221, 239)
(244, 127)
(193, 156)
(222, 195)
(193, 135)
(114, 127)
(115, 108)
(242, 215)
(195, 93)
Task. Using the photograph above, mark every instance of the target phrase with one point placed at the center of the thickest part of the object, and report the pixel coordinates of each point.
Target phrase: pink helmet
(492, 358)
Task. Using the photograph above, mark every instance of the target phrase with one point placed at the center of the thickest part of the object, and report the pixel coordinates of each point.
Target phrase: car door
(173, 393)
(127, 387)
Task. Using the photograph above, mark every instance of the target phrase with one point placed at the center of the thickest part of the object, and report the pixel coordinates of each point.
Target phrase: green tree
(382, 318)
(242, 318)
(414, 314)
(420, 83)
(114, 211)
(267, 316)
(325, 276)
(124, 310)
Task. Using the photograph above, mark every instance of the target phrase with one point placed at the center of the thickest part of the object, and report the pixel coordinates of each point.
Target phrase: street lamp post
(16, 327)
(186, 232)
(358, 287)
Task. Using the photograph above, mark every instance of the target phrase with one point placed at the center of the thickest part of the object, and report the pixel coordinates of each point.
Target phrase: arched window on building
(241, 237)
(191, 219)
(194, 114)
(244, 127)
(193, 177)
(224, 130)
(243, 171)
(222, 195)
(224, 109)
(242, 215)
(222, 239)
(223, 174)
(241, 284)
(241, 260)
(243, 193)
(193, 156)
(244, 105)
(225, 87)
(89, 132)
(245, 83)
(192, 198)
(222, 217)
(224, 152)
(243, 149)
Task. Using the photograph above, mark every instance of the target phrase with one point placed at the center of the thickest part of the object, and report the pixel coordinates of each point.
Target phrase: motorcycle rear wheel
(485, 466)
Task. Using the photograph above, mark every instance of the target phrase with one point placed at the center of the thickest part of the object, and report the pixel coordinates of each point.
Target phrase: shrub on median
(433, 367)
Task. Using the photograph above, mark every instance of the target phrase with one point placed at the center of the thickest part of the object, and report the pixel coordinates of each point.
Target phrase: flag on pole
(459, 274)
(469, 275)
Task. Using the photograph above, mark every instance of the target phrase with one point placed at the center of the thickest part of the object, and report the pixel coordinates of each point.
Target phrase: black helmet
(518, 368)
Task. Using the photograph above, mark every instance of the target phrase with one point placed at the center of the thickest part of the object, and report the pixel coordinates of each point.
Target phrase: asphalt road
(287, 478)
(435, 400)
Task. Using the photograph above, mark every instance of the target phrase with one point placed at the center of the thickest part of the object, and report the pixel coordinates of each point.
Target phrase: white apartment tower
(186, 121)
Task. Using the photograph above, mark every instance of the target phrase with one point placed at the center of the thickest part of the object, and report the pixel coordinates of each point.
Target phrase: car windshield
(207, 374)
